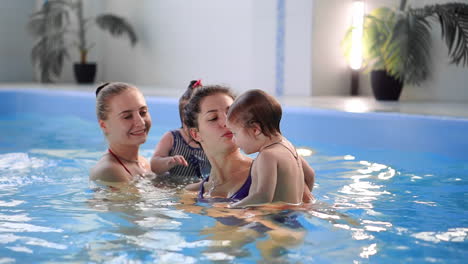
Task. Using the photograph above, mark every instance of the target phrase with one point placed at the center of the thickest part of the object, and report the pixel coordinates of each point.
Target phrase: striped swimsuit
(195, 157)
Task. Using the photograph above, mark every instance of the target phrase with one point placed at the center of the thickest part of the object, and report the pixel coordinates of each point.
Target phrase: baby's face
(242, 137)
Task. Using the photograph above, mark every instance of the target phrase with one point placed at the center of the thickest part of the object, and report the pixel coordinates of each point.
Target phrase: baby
(277, 172)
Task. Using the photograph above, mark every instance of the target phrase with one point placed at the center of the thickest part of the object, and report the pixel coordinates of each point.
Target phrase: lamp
(356, 44)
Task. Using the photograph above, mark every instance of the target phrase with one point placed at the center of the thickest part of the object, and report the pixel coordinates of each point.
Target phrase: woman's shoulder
(107, 170)
(145, 161)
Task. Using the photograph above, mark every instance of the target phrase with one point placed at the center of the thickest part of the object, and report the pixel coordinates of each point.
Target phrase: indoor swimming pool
(390, 188)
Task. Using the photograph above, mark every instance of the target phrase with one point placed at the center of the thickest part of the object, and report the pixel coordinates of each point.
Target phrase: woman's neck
(129, 153)
(224, 166)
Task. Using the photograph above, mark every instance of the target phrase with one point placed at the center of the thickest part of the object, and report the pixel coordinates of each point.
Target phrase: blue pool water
(390, 188)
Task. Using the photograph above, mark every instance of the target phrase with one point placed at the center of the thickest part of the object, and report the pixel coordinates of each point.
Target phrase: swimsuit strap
(281, 143)
(121, 163)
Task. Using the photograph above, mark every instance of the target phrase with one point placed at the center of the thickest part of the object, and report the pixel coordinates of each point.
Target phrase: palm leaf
(453, 19)
(407, 52)
(52, 16)
(49, 51)
(49, 54)
(377, 29)
(116, 26)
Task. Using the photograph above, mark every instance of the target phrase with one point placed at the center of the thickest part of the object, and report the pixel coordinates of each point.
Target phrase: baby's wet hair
(257, 107)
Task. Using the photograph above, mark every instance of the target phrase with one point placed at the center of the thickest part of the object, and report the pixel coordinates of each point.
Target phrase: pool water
(372, 206)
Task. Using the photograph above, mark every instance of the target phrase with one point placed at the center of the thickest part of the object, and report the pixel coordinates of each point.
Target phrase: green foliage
(399, 41)
(55, 34)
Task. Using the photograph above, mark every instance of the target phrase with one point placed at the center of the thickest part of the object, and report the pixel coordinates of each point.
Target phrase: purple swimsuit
(239, 195)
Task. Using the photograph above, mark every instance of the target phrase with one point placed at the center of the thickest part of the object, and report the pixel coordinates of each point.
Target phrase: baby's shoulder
(269, 155)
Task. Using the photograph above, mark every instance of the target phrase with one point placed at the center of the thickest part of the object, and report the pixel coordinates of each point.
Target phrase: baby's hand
(177, 160)
(307, 196)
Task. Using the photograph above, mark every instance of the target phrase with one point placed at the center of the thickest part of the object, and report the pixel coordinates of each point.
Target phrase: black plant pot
(85, 72)
(385, 86)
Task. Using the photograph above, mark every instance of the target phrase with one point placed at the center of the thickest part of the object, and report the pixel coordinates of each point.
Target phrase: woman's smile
(140, 132)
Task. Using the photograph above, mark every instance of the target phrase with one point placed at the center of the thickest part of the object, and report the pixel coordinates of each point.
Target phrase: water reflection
(451, 235)
(45, 204)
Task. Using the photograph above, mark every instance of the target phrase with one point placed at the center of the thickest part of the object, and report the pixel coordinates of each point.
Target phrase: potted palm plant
(55, 34)
(397, 42)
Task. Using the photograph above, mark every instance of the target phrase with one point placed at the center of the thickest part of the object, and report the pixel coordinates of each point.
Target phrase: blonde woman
(123, 116)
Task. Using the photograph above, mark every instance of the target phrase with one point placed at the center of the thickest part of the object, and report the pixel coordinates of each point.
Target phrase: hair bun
(100, 88)
(195, 83)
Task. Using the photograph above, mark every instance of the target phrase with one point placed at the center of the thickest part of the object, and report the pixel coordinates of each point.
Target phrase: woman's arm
(161, 162)
(194, 187)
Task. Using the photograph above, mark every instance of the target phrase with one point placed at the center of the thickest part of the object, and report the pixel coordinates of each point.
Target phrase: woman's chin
(139, 139)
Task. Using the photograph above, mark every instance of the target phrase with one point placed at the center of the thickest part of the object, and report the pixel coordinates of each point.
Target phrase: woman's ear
(103, 126)
(194, 134)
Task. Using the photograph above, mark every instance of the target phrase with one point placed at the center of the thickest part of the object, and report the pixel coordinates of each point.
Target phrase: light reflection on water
(365, 211)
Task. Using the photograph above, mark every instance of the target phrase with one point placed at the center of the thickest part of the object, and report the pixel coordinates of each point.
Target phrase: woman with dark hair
(123, 116)
(177, 153)
(205, 116)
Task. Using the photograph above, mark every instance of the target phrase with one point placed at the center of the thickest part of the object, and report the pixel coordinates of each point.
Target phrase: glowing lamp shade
(356, 35)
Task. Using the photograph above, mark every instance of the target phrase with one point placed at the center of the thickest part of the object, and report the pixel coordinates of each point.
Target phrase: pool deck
(340, 103)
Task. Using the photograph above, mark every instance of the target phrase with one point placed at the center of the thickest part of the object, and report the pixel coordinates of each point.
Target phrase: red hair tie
(197, 83)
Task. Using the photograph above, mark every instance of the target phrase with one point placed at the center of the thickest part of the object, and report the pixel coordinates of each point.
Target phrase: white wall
(228, 42)
(225, 41)
(15, 41)
(330, 74)
(184, 40)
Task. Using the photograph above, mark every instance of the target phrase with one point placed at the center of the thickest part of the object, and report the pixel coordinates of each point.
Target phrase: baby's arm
(309, 174)
(309, 178)
(264, 178)
(161, 162)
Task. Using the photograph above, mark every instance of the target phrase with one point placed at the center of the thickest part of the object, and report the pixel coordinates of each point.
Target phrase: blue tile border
(280, 41)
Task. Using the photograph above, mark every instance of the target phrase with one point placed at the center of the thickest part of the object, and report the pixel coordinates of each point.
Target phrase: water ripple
(451, 235)
(32, 241)
(23, 227)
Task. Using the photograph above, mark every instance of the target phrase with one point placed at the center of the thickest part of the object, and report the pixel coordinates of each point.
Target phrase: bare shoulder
(167, 136)
(108, 171)
(288, 144)
(145, 162)
(269, 155)
(164, 145)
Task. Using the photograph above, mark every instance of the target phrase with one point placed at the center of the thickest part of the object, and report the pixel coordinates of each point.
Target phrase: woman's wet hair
(192, 108)
(103, 94)
(257, 107)
(194, 84)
